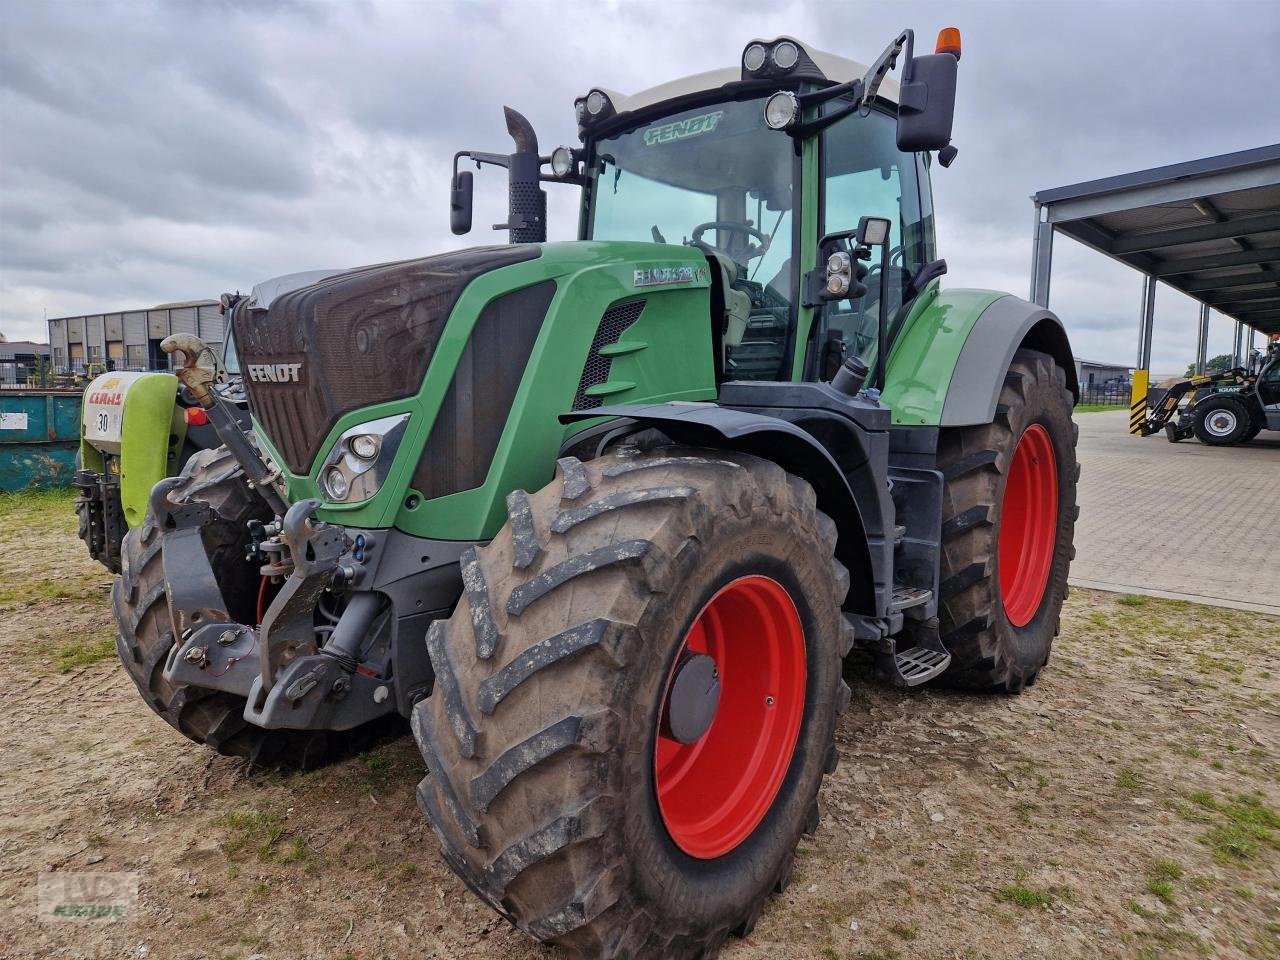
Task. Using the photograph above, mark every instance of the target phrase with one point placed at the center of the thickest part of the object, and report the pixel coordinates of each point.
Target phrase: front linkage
(320, 654)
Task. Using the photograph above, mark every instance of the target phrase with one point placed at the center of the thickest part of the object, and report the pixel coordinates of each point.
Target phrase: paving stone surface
(1178, 519)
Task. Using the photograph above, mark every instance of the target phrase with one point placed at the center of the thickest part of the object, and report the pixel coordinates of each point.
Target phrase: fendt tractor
(604, 518)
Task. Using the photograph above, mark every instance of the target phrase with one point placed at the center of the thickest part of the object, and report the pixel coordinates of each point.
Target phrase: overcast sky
(152, 152)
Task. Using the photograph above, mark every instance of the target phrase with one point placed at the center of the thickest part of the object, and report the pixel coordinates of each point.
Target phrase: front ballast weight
(289, 678)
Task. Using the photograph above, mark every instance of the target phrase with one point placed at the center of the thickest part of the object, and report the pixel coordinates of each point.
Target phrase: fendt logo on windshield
(682, 129)
(275, 372)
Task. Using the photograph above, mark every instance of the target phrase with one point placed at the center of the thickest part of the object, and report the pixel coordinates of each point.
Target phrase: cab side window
(864, 174)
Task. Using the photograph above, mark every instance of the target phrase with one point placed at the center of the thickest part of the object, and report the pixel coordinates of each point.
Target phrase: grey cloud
(162, 151)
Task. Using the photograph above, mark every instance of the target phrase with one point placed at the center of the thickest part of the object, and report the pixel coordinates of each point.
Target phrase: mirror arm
(808, 128)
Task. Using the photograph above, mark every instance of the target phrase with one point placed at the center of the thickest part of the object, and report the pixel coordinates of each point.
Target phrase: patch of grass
(1131, 600)
(1097, 407)
(1127, 779)
(904, 931)
(80, 652)
(1023, 896)
(1142, 911)
(39, 509)
(262, 832)
(1249, 825)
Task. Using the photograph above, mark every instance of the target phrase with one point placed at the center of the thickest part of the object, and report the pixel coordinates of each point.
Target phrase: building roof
(1209, 228)
(176, 305)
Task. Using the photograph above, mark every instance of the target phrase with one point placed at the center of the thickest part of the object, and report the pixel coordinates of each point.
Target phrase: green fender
(952, 351)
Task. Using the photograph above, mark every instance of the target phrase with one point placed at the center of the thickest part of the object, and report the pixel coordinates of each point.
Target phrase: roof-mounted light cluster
(594, 108)
(771, 58)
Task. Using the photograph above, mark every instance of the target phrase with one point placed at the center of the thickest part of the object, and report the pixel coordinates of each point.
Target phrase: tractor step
(904, 597)
(917, 665)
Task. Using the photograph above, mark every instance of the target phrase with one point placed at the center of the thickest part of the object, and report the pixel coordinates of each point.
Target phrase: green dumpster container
(39, 437)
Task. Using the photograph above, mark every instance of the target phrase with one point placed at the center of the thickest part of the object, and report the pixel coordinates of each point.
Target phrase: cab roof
(834, 68)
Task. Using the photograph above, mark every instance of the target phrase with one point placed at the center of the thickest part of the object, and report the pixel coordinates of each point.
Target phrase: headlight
(359, 462)
(335, 484)
(753, 57)
(365, 445)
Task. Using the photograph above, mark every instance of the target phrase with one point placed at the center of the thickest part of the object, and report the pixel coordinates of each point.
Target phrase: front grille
(358, 338)
(595, 371)
(476, 407)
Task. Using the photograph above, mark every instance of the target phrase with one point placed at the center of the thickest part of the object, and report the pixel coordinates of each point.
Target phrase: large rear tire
(145, 629)
(1009, 517)
(558, 784)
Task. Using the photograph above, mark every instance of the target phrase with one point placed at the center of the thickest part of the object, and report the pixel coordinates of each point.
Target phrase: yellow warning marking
(1138, 400)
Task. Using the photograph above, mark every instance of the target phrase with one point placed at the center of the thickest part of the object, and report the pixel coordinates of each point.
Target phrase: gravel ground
(1124, 806)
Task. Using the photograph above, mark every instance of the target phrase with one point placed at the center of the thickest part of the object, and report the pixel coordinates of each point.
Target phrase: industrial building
(130, 339)
(19, 359)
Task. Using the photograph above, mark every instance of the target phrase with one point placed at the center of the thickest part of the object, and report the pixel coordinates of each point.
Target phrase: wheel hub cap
(692, 699)
(731, 716)
(1028, 525)
(1222, 423)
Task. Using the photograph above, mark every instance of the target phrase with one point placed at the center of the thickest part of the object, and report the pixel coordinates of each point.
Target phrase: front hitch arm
(198, 381)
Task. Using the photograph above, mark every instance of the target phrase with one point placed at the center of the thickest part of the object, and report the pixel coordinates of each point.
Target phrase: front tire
(1221, 421)
(555, 777)
(145, 630)
(1009, 515)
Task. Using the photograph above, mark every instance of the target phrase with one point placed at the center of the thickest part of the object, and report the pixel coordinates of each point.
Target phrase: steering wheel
(733, 226)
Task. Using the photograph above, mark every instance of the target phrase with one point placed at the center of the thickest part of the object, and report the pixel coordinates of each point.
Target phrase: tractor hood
(316, 345)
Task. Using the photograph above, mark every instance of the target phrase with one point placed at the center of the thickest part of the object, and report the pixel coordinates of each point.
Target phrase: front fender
(783, 443)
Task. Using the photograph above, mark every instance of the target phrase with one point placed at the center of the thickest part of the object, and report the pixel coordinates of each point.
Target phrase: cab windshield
(717, 177)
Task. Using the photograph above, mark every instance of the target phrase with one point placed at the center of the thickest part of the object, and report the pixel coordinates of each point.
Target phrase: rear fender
(770, 438)
(1008, 325)
(949, 360)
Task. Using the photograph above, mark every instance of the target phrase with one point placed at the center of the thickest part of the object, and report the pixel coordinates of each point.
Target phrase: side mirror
(460, 203)
(926, 103)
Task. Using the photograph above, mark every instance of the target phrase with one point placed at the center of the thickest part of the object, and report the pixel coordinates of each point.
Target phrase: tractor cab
(768, 168)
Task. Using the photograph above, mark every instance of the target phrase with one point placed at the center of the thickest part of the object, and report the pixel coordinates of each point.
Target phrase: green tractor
(135, 429)
(604, 518)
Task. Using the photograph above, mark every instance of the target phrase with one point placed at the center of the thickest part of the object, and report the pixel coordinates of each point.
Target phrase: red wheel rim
(714, 792)
(1028, 525)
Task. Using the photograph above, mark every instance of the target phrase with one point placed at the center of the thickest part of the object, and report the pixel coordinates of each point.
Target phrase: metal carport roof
(1209, 228)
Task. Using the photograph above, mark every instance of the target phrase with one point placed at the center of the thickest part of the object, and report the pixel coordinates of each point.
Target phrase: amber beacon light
(948, 41)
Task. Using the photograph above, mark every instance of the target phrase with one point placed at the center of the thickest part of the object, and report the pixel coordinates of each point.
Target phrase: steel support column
(1041, 258)
(1202, 343)
(1147, 322)
(1239, 346)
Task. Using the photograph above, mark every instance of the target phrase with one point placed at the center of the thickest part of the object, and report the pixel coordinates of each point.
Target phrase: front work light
(753, 57)
(781, 110)
(562, 163)
(596, 102)
(360, 461)
(786, 55)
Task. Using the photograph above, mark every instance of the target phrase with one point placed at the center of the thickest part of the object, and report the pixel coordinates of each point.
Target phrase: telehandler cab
(603, 518)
